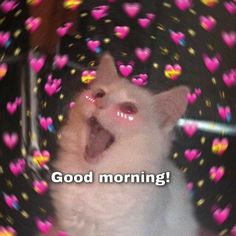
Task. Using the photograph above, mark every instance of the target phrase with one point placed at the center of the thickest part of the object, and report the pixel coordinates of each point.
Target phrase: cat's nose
(100, 103)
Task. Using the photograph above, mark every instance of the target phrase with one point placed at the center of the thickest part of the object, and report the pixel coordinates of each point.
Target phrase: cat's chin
(99, 141)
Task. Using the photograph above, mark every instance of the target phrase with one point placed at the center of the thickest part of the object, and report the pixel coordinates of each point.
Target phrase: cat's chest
(102, 198)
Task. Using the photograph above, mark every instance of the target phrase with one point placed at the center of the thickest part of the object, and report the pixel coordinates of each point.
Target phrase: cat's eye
(99, 93)
(128, 108)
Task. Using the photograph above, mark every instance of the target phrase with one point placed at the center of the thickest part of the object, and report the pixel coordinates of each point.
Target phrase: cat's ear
(106, 70)
(170, 105)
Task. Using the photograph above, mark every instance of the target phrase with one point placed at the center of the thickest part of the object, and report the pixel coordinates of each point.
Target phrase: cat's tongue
(99, 139)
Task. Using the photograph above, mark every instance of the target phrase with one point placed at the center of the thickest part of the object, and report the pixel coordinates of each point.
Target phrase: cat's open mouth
(99, 140)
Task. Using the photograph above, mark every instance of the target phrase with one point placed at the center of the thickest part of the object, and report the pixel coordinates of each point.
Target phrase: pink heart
(177, 37)
(10, 140)
(18, 101)
(137, 81)
(52, 86)
(132, 9)
(44, 226)
(224, 112)
(189, 186)
(122, 31)
(198, 91)
(229, 38)
(207, 22)
(4, 37)
(211, 64)
(11, 107)
(17, 167)
(63, 30)
(125, 70)
(230, 78)
(233, 231)
(8, 5)
(150, 16)
(93, 45)
(191, 97)
(144, 22)
(144, 77)
(142, 54)
(40, 186)
(45, 122)
(57, 82)
(216, 173)
(230, 7)
(192, 154)
(100, 12)
(60, 60)
(11, 201)
(37, 63)
(32, 23)
(190, 129)
(221, 215)
(140, 79)
(50, 89)
(183, 5)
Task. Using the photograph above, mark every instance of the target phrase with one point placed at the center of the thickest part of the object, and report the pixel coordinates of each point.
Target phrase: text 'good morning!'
(160, 179)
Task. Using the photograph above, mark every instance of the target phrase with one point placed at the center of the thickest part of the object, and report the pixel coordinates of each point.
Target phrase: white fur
(121, 209)
(125, 209)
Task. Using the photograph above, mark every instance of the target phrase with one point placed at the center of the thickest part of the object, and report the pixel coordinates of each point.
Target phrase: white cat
(116, 127)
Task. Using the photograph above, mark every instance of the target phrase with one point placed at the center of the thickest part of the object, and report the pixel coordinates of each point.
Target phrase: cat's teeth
(121, 114)
(131, 118)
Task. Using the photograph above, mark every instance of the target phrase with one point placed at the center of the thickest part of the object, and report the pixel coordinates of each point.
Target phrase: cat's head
(116, 111)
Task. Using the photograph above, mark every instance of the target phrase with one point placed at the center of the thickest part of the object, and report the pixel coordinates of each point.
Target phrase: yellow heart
(40, 160)
(33, 2)
(172, 74)
(219, 148)
(86, 79)
(3, 71)
(72, 4)
(6, 233)
(210, 3)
